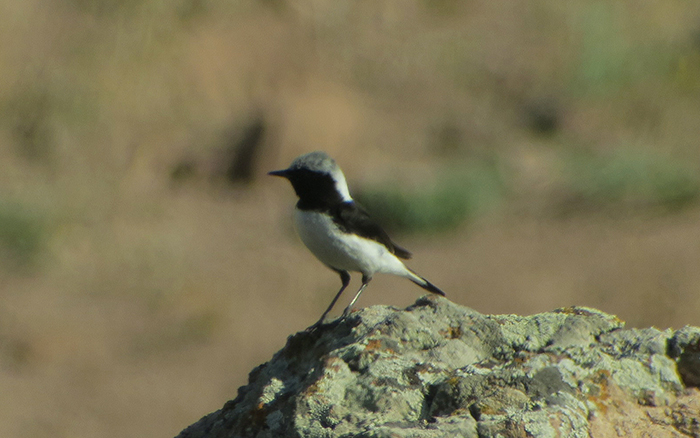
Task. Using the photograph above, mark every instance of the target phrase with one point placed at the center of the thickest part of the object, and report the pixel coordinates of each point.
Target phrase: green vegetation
(631, 178)
(21, 235)
(463, 194)
(617, 54)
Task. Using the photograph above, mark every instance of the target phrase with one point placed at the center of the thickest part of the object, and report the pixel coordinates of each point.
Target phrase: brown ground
(134, 302)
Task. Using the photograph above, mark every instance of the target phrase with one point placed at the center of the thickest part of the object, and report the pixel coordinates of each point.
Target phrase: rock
(437, 369)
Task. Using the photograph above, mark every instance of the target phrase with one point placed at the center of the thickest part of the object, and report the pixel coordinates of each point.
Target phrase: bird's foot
(317, 325)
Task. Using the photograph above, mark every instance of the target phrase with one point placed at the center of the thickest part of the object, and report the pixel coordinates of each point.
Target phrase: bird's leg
(365, 281)
(345, 278)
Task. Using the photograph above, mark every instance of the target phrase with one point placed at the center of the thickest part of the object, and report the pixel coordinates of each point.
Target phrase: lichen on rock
(438, 369)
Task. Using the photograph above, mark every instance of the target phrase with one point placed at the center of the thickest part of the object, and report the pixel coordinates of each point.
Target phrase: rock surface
(437, 369)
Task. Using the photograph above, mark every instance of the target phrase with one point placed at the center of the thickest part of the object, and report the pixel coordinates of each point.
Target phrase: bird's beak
(283, 173)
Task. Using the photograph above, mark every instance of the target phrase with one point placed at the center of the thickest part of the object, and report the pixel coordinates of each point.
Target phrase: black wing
(352, 218)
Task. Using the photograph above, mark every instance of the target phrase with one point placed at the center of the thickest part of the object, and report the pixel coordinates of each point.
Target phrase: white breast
(343, 251)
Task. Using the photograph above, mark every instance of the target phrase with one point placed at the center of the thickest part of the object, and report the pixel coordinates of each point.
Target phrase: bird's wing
(352, 218)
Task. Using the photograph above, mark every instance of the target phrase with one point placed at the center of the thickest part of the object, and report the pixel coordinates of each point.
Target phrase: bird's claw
(312, 328)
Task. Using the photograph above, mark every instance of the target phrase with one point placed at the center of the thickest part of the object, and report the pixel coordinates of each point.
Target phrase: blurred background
(532, 155)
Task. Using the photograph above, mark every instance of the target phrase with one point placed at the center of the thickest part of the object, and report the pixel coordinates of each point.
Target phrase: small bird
(338, 231)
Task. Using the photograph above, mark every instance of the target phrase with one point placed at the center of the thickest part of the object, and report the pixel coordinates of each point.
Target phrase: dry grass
(135, 302)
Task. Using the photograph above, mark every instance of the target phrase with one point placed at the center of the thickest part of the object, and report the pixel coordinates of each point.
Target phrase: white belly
(343, 251)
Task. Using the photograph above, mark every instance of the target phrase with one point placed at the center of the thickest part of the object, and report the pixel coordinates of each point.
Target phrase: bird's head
(316, 175)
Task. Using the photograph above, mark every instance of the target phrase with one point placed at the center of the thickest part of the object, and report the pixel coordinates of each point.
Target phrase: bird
(339, 231)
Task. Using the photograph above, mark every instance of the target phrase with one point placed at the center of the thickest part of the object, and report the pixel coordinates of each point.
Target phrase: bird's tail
(425, 284)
